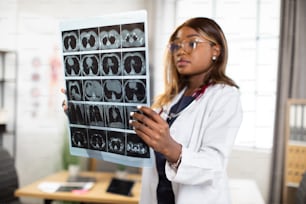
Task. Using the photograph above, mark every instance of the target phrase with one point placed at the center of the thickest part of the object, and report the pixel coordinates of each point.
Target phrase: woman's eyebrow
(193, 35)
(188, 36)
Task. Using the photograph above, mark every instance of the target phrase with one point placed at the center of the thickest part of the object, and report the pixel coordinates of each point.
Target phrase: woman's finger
(151, 114)
(64, 105)
(144, 119)
(63, 90)
(151, 119)
(144, 124)
(142, 132)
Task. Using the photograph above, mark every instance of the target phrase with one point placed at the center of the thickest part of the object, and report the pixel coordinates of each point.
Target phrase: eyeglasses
(188, 46)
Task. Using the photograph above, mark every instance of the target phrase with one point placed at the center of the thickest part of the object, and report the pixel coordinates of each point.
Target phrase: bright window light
(252, 31)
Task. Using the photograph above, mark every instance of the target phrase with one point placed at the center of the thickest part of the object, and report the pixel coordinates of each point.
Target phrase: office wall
(8, 24)
(31, 27)
(252, 164)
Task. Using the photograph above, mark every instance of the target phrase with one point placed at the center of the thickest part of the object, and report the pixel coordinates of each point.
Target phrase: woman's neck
(193, 85)
(191, 89)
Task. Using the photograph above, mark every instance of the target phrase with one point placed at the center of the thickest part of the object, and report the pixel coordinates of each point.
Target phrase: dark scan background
(106, 78)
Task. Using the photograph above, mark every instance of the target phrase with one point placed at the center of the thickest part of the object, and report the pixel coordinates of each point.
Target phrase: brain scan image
(76, 113)
(137, 147)
(114, 116)
(95, 115)
(135, 91)
(110, 37)
(90, 65)
(111, 64)
(70, 41)
(89, 39)
(113, 90)
(133, 35)
(79, 137)
(116, 142)
(93, 90)
(74, 90)
(72, 65)
(134, 63)
(107, 77)
(97, 140)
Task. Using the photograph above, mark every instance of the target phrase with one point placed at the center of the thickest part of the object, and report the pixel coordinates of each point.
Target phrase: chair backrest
(8, 177)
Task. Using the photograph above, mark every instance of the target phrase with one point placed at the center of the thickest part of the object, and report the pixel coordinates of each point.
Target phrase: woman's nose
(180, 51)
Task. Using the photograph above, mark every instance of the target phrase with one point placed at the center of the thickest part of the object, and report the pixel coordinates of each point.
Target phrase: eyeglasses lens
(187, 46)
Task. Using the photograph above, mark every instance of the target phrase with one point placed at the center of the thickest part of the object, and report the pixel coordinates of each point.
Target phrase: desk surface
(97, 194)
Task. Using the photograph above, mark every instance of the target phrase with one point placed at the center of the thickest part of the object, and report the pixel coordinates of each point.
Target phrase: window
(252, 31)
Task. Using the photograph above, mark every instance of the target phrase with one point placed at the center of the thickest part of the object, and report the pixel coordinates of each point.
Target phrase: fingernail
(131, 113)
(139, 107)
(130, 121)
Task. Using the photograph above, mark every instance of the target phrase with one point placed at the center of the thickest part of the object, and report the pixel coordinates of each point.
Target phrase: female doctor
(194, 123)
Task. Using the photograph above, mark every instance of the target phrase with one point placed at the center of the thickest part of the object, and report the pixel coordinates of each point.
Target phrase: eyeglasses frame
(182, 44)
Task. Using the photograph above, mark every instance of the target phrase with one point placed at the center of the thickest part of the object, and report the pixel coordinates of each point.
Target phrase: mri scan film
(107, 76)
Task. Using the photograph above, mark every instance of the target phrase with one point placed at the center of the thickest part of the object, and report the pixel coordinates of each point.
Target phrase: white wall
(251, 164)
(8, 24)
(31, 27)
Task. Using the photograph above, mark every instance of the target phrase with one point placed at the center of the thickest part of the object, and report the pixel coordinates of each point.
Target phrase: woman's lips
(182, 62)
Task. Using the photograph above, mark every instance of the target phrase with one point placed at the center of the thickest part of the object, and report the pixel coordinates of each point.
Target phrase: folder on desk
(81, 179)
(120, 186)
(51, 187)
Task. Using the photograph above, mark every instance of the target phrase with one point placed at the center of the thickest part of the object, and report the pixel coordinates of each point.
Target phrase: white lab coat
(206, 129)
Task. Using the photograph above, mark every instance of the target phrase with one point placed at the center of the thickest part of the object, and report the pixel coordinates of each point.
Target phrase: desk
(97, 194)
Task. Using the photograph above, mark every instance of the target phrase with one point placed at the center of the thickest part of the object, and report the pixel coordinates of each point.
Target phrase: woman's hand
(64, 103)
(155, 132)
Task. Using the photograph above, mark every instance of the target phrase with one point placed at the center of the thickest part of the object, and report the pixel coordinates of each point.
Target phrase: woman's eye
(192, 44)
(174, 47)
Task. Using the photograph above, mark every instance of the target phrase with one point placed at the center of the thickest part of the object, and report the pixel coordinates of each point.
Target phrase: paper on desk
(51, 187)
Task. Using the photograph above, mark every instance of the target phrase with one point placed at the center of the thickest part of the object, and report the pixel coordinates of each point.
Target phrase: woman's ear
(216, 50)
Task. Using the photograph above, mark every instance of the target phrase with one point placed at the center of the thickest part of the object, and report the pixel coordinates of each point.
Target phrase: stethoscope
(196, 96)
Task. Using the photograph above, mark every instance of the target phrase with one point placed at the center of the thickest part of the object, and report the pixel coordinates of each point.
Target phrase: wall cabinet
(295, 154)
(8, 100)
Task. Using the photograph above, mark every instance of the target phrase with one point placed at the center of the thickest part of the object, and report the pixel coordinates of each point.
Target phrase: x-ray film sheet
(107, 76)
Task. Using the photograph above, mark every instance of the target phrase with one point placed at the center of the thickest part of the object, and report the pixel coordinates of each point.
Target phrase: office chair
(8, 178)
